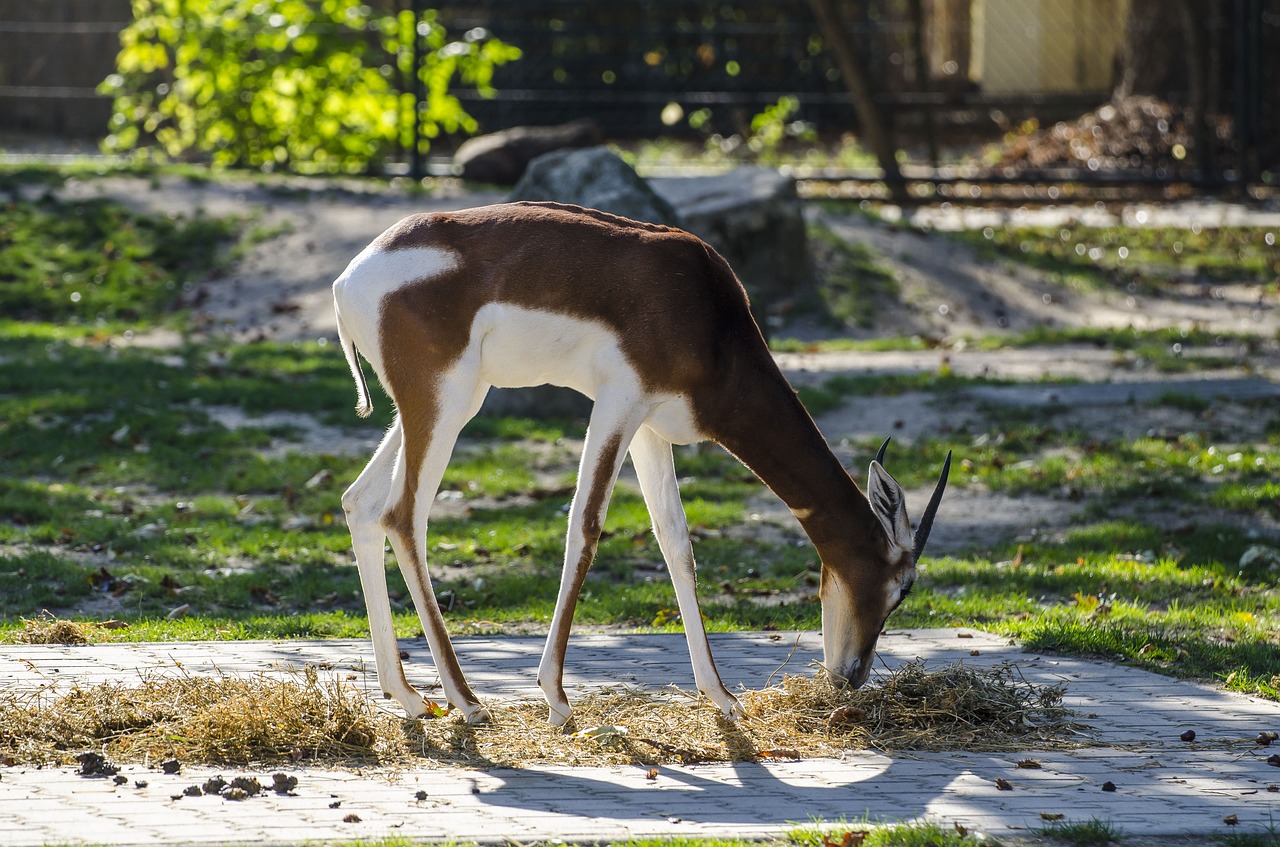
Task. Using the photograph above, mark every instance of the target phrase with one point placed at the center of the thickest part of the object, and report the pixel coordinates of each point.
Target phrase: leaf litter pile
(323, 719)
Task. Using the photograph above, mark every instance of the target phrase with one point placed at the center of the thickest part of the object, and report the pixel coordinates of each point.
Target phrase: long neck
(762, 422)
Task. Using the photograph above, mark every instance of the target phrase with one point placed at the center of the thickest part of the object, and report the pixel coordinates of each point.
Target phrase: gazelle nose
(850, 676)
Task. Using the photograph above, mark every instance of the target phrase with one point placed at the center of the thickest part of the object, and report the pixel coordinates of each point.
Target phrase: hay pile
(309, 719)
(215, 720)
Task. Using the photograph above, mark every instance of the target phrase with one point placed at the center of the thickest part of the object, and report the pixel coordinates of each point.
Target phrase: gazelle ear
(889, 503)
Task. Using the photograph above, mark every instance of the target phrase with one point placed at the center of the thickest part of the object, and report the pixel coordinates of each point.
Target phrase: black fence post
(417, 167)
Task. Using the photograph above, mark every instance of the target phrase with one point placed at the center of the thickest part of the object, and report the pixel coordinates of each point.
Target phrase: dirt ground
(280, 290)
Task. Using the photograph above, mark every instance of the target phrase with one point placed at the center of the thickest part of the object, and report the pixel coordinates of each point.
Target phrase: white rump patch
(371, 276)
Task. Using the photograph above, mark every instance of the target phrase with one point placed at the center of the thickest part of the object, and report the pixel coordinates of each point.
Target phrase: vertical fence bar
(417, 168)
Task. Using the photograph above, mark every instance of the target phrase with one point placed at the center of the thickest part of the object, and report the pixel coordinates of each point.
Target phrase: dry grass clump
(201, 719)
(265, 720)
(51, 630)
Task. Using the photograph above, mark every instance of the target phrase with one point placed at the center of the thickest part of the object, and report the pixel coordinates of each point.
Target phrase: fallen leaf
(351, 818)
(113, 624)
(652, 773)
(602, 732)
(964, 635)
(1231, 820)
(1051, 816)
(779, 753)
(1028, 764)
(1003, 784)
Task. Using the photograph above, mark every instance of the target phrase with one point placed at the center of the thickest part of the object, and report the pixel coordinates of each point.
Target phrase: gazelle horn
(880, 452)
(926, 520)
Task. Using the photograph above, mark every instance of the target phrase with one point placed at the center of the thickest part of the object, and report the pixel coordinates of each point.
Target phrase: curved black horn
(926, 520)
(880, 452)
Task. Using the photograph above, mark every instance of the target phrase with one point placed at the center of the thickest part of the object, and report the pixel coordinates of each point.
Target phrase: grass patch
(1090, 833)
(91, 260)
(1136, 259)
(314, 718)
(854, 279)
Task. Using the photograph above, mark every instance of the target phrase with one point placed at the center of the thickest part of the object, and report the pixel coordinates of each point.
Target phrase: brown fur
(682, 319)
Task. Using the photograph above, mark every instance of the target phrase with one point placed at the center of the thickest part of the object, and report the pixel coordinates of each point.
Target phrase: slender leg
(420, 465)
(609, 431)
(364, 503)
(651, 454)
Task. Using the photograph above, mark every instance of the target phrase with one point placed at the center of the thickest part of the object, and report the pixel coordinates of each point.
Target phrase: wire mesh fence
(1190, 83)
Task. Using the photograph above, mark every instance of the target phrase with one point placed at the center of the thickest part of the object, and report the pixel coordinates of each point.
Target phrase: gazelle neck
(763, 423)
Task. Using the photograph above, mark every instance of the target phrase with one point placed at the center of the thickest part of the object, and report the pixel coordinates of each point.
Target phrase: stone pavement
(1163, 786)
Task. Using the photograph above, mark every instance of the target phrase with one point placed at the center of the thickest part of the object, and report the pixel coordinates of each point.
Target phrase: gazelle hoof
(559, 716)
(477, 714)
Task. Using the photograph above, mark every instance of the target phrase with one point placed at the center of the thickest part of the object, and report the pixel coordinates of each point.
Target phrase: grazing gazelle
(651, 324)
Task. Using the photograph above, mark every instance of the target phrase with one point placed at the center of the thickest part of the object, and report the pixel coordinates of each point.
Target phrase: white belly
(518, 347)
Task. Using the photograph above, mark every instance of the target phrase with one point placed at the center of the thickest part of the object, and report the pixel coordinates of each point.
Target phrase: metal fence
(643, 68)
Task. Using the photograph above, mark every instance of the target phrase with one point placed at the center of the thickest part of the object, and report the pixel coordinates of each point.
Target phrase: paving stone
(1164, 785)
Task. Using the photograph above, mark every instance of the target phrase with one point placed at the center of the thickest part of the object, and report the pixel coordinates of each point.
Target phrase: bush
(303, 85)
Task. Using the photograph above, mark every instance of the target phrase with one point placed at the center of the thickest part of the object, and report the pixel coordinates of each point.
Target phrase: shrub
(293, 84)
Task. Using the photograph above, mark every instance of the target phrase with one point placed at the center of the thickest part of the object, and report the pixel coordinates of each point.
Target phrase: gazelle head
(862, 589)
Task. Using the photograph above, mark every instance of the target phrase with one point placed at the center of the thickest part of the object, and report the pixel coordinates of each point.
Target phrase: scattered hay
(268, 721)
(953, 708)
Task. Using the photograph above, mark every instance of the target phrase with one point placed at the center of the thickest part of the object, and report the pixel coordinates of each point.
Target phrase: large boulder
(597, 179)
(753, 216)
(502, 157)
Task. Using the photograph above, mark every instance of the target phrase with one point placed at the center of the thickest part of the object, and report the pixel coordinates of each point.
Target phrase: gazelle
(651, 324)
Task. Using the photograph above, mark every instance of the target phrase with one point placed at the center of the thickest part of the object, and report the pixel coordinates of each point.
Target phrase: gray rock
(754, 217)
(597, 179)
(502, 157)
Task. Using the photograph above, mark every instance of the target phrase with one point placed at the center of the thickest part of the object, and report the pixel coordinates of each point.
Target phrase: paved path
(1163, 785)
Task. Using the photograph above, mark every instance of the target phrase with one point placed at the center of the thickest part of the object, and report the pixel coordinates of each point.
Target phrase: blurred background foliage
(294, 85)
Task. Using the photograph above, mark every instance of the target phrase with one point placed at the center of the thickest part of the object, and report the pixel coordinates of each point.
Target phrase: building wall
(1062, 46)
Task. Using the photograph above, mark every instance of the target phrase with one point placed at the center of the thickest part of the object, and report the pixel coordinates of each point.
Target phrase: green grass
(1136, 259)
(123, 493)
(91, 260)
(854, 279)
(1090, 833)
(147, 498)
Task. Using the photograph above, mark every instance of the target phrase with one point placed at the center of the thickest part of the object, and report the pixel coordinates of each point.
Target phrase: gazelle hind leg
(427, 448)
(363, 504)
(610, 429)
(655, 469)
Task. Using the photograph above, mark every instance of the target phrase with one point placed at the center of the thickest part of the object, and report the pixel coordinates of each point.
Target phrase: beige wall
(1046, 45)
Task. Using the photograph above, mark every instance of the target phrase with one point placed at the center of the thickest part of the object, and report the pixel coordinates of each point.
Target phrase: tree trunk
(857, 81)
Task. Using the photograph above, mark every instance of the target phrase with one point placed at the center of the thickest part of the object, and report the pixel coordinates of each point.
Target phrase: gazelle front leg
(609, 431)
(364, 503)
(651, 454)
(428, 442)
